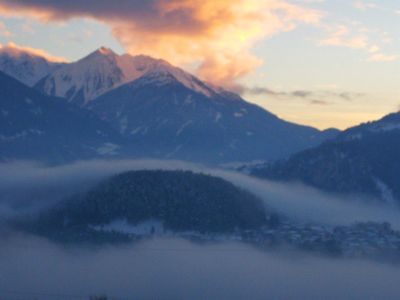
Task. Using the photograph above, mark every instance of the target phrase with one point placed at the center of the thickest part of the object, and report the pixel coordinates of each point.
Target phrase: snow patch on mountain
(182, 128)
(385, 127)
(388, 123)
(238, 114)
(218, 117)
(150, 226)
(386, 192)
(136, 130)
(21, 135)
(108, 149)
(123, 124)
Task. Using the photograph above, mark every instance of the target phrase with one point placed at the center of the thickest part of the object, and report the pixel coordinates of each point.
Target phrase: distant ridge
(364, 159)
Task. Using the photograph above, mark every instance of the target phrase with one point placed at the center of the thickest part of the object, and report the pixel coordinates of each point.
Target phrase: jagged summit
(102, 70)
(101, 52)
(105, 51)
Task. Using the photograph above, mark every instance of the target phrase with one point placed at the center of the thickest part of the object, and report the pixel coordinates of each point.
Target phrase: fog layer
(177, 269)
(33, 268)
(27, 185)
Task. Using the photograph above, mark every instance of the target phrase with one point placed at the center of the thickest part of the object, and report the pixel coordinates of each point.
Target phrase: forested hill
(179, 200)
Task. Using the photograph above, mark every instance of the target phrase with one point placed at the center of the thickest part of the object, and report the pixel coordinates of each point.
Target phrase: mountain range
(361, 160)
(163, 111)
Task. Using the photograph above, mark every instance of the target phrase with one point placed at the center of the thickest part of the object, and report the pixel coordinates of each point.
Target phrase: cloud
(358, 38)
(362, 5)
(217, 36)
(16, 50)
(320, 102)
(365, 5)
(27, 28)
(4, 31)
(341, 36)
(374, 49)
(380, 57)
(319, 97)
(312, 1)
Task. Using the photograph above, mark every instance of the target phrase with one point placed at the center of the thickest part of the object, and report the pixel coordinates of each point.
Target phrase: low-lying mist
(29, 186)
(32, 268)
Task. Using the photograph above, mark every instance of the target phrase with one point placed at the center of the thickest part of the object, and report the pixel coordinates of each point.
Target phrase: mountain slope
(362, 160)
(141, 201)
(25, 66)
(165, 118)
(35, 126)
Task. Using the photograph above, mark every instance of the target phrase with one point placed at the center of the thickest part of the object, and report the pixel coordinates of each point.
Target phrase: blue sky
(331, 63)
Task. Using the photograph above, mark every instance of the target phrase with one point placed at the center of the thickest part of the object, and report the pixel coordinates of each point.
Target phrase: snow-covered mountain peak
(103, 70)
(24, 65)
(85, 79)
(134, 67)
(163, 69)
(99, 54)
(105, 51)
(137, 66)
(143, 60)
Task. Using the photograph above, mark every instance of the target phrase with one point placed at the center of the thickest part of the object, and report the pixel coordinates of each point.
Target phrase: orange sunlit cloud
(14, 49)
(215, 35)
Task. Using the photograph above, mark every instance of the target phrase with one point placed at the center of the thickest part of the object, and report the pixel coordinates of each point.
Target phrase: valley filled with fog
(171, 267)
(30, 185)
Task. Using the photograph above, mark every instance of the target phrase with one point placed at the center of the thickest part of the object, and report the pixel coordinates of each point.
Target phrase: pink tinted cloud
(216, 35)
